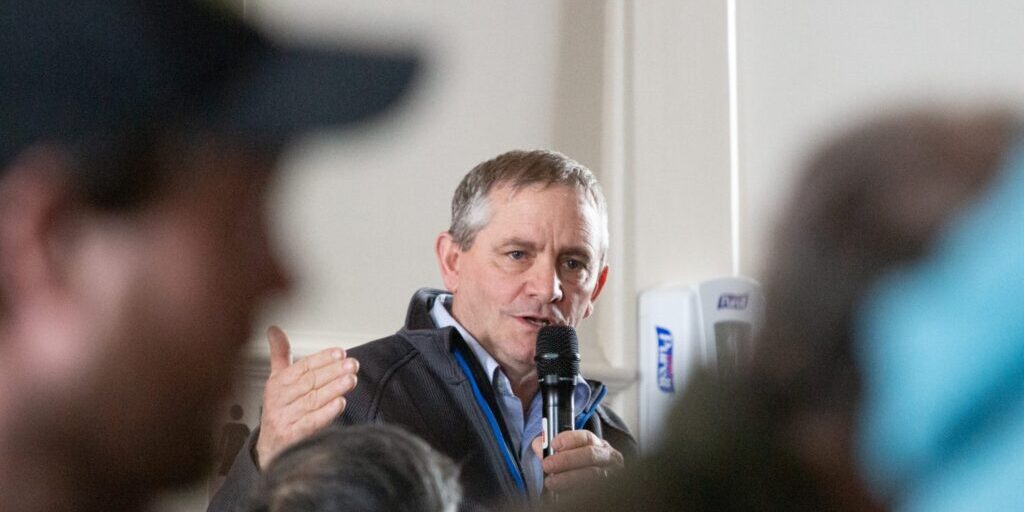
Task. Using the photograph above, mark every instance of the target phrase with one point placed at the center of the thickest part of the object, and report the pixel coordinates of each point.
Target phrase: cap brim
(290, 91)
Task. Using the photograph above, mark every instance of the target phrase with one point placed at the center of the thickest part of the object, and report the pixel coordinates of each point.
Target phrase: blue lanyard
(584, 416)
(506, 453)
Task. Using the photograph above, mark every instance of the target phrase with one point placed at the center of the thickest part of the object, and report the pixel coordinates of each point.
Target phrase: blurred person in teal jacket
(943, 356)
(871, 339)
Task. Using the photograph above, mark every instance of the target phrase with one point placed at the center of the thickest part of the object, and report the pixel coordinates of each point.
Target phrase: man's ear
(35, 206)
(601, 279)
(448, 253)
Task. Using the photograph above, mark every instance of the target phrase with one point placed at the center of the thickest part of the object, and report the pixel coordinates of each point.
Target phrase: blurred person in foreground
(137, 146)
(942, 427)
(883, 197)
(364, 468)
(526, 248)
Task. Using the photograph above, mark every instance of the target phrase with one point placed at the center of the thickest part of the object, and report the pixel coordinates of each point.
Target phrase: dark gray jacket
(412, 379)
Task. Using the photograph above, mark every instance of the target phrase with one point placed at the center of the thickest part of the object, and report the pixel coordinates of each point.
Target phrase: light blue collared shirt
(520, 428)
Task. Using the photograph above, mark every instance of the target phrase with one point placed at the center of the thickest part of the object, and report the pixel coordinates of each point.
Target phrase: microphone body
(558, 365)
(557, 394)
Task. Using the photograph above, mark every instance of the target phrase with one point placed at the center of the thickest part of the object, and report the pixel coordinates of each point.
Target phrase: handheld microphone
(558, 364)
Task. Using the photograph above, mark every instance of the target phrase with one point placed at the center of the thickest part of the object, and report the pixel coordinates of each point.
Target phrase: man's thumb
(538, 446)
(280, 349)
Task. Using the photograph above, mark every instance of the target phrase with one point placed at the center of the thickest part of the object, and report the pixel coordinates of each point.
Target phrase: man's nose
(544, 283)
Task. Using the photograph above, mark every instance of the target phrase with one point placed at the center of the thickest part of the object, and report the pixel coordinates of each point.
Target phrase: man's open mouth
(539, 322)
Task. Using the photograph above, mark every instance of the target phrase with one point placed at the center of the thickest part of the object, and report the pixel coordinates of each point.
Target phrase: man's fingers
(302, 367)
(317, 379)
(318, 398)
(568, 460)
(590, 459)
(318, 419)
(280, 349)
(565, 441)
(572, 479)
(571, 439)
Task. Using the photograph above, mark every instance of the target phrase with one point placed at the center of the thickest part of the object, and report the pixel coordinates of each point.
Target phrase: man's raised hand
(303, 397)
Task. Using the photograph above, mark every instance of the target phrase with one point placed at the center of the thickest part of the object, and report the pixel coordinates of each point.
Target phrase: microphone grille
(558, 352)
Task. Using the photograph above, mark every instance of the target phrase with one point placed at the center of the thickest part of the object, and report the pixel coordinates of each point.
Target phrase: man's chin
(525, 352)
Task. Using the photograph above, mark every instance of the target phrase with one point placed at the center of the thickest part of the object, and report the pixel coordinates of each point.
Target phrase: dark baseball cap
(78, 72)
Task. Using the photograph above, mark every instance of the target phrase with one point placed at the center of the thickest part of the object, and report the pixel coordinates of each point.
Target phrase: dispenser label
(737, 301)
(665, 360)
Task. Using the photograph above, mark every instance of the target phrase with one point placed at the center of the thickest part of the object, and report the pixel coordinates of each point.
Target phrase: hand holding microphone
(570, 457)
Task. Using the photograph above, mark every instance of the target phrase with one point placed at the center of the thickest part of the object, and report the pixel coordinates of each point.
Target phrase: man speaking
(526, 249)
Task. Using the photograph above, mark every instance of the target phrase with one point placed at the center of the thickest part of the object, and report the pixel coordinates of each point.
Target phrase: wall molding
(255, 365)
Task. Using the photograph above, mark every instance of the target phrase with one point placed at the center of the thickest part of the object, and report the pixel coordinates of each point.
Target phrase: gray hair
(520, 169)
(363, 468)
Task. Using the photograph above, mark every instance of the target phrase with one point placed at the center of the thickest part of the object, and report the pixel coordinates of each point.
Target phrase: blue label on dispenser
(665, 360)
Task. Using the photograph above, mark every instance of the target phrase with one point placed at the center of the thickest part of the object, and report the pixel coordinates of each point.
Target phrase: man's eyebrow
(579, 251)
(518, 242)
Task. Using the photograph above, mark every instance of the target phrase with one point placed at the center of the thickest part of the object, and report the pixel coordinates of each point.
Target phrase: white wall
(807, 67)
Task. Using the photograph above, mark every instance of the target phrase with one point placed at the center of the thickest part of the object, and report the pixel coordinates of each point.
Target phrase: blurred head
(366, 468)
(876, 198)
(122, 322)
(526, 248)
(941, 348)
(139, 139)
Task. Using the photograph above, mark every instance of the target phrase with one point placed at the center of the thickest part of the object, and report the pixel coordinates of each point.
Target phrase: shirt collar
(443, 318)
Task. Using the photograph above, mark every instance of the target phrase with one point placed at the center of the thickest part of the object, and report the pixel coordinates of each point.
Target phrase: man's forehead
(519, 217)
(579, 235)
(507, 196)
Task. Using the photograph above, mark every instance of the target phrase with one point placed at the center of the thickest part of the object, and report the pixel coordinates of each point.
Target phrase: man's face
(162, 300)
(536, 262)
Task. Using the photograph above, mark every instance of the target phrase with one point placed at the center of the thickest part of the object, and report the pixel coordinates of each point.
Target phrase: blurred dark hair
(122, 173)
(125, 172)
(360, 468)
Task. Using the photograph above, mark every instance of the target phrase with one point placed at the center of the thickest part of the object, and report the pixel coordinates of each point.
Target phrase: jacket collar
(418, 315)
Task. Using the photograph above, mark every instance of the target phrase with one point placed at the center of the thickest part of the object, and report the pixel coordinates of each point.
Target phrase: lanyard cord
(506, 453)
(584, 416)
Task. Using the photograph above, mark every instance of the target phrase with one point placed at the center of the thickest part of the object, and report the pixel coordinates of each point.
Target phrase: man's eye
(574, 265)
(517, 255)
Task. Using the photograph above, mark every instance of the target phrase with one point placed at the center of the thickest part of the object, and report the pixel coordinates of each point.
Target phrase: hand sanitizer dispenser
(712, 324)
